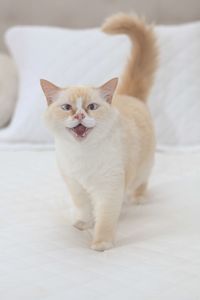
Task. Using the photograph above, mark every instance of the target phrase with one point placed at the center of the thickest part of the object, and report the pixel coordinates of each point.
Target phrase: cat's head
(78, 111)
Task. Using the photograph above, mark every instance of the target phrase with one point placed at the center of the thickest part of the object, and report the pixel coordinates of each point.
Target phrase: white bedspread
(157, 253)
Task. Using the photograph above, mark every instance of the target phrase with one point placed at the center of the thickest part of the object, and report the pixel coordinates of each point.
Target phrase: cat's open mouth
(80, 131)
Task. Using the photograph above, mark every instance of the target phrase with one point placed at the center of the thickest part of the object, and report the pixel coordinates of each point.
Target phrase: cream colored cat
(104, 136)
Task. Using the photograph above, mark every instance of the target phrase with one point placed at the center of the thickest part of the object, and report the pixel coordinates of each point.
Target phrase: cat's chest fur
(90, 162)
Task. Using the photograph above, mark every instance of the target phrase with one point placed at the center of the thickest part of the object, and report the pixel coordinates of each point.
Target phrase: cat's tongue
(80, 130)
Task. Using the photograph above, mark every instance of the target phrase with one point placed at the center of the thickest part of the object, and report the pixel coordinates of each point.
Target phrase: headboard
(89, 13)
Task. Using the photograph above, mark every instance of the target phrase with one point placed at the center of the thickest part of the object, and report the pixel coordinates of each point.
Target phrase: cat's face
(77, 111)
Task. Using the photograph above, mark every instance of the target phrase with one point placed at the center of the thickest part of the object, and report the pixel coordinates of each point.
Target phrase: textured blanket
(157, 253)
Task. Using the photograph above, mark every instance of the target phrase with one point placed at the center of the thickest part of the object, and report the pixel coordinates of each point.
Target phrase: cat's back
(136, 124)
(132, 110)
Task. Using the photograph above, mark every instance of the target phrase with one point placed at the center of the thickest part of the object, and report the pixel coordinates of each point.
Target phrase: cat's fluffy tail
(138, 75)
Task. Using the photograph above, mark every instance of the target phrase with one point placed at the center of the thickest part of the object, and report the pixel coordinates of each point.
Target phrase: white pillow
(89, 57)
(64, 57)
(175, 97)
(8, 88)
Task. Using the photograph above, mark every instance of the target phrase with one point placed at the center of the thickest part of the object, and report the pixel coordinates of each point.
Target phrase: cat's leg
(138, 194)
(107, 207)
(140, 190)
(82, 217)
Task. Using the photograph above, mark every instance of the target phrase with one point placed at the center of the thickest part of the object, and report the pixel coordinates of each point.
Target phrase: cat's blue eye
(93, 106)
(66, 107)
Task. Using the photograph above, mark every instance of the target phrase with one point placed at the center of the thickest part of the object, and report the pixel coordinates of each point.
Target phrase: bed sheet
(157, 252)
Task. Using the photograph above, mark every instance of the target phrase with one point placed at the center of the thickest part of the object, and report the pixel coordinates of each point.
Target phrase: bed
(43, 257)
(157, 250)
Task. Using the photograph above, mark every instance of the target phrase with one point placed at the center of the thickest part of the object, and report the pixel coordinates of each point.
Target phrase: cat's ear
(107, 89)
(50, 90)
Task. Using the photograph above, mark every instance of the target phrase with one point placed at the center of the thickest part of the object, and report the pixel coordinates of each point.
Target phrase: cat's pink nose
(79, 116)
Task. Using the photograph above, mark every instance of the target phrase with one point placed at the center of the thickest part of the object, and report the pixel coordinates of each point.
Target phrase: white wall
(88, 13)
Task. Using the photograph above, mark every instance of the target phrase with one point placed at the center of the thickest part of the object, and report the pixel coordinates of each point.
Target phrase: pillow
(64, 57)
(8, 88)
(68, 57)
(175, 97)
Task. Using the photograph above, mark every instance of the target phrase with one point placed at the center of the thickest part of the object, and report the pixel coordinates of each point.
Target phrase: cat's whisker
(71, 123)
(89, 122)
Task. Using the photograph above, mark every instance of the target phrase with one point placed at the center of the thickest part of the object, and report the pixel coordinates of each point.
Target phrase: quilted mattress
(157, 253)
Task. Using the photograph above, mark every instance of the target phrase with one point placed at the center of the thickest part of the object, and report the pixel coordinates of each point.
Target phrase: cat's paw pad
(101, 246)
(81, 225)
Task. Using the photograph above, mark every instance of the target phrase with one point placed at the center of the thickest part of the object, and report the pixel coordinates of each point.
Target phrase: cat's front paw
(101, 245)
(81, 225)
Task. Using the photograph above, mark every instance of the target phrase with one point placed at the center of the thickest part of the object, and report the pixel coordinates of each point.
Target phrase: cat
(104, 136)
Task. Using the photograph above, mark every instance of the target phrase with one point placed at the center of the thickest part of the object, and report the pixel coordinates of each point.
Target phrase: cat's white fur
(114, 160)
(79, 104)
